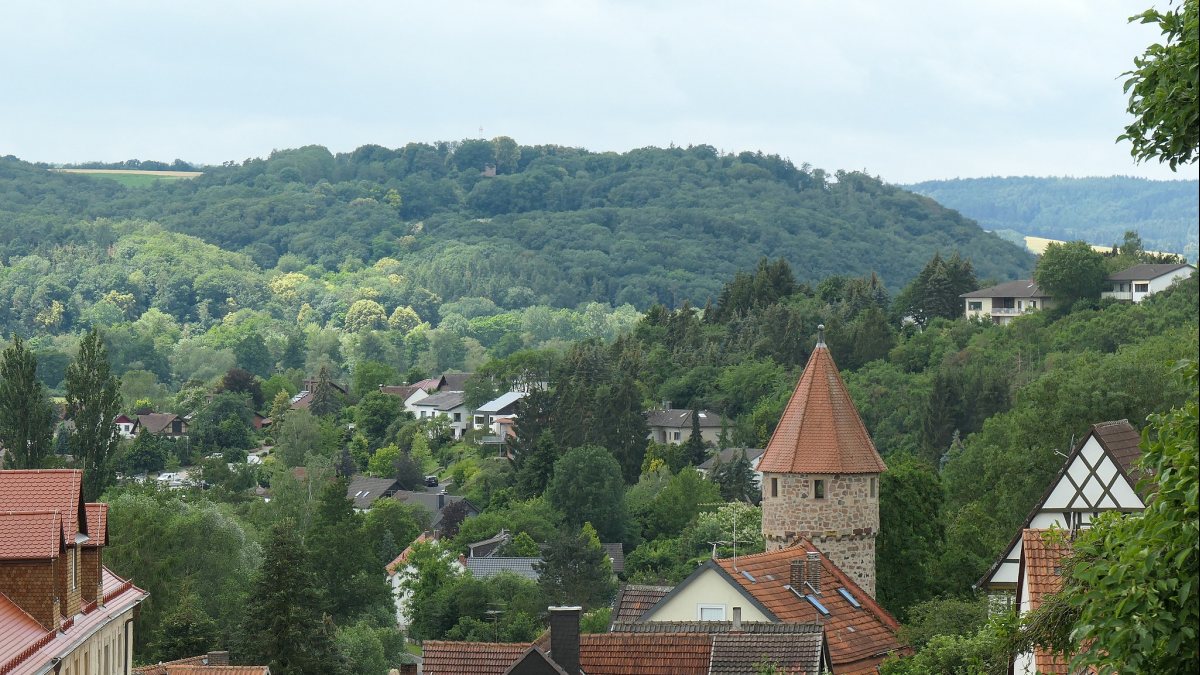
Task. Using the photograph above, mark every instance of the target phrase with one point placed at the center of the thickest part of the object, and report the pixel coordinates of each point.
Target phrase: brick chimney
(564, 637)
(737, 620)
(812, 571)
(218, 659)
(797, 575)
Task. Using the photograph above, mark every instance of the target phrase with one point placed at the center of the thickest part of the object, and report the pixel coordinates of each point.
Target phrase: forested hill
(1097, 210)
(553, 225)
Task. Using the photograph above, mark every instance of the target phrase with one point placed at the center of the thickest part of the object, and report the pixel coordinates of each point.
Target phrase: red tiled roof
(1042, 556)
(120, 596)
(30, 535)
(46, 490)
(395, 564)
(855, 635)
(216, 670)
(97, 520)
(161, 667)
(644, 654)
(820, 430)
(444, 657)
(19, 632)
(634, 599)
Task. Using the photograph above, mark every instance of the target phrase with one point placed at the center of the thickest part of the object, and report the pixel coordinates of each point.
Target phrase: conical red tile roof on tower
(820, 430)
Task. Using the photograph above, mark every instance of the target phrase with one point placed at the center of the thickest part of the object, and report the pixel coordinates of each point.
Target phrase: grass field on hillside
(133, 178)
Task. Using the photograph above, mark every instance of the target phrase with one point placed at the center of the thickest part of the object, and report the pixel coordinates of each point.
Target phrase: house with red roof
(820, 473)
(61, 609)
(795, 585)
(564, 651)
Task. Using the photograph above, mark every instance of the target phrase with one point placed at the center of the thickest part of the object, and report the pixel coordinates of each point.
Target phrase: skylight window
(749, 576)
(850, 598)
(812, 599)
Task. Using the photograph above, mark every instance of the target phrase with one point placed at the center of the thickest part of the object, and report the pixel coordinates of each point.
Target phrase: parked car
(431, 481)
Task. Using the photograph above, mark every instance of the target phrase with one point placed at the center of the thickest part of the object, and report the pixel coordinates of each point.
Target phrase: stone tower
(821, 474)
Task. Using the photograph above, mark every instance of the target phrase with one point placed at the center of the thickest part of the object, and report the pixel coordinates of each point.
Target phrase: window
(1141, 288)
(1033, 304)
(710, 612)
(975, 305)
(457, 417)
(872, 487)
(819, 489)
(675, 435)
(850, 598)
(774, 487)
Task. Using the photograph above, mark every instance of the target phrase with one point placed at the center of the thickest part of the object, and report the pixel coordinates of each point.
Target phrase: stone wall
(843, 524)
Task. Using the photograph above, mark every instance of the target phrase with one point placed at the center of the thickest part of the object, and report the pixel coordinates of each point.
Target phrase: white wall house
(1004, 302)
(1141, 281)
(448, 404)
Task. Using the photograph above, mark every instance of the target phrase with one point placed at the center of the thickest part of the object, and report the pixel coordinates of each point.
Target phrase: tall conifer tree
(93, 401)
(26, 417)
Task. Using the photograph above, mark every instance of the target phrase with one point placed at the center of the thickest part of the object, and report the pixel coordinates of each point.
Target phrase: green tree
(240, 381)
(284, 627)
(1162, 90)
(1071, 272)
(910, 532)
(346, 567)
(93, 402)
(186, 630)
(736, 479)
(26, 417)
(576, 571)
(148, 452)
(374, 414)
(365, 315)
(587, 487)
(326, 399)
(521, 546)
(694, 450)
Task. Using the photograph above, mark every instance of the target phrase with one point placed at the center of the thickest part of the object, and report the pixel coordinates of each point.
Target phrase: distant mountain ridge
(1097, 210)
(524, 224)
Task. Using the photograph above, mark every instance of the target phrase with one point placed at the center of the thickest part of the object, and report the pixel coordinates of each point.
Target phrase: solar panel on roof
(850, 598)
(749, 576)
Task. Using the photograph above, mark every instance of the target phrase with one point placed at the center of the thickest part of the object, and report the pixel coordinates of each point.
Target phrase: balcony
(1118, 295)
(1007, 311)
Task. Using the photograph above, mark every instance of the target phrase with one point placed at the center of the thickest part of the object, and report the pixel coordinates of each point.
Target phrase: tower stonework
(821, 474)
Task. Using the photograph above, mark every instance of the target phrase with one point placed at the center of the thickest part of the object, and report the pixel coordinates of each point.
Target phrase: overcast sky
(906, 90)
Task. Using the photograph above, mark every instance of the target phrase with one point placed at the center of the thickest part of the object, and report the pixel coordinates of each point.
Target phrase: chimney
(737, 620)
(218, 659)
(797, 579)
(812, 572)
(666, 404)
(564, 638)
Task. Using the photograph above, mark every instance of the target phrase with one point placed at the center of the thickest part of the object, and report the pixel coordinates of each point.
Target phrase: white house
(449, 404)
(1004, 302)
(673, 425)
(125, 426)
(400, 570)
(1097, 476)
(1141, 281)
(504, 405)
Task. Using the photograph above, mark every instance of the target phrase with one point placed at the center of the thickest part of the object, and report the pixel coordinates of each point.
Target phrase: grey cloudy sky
(907, 90)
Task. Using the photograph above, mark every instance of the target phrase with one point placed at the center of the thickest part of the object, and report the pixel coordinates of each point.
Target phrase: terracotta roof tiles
(18, 631)
(1042, 555)
(46, 490)
(820, 430)
(634, 599)
(856, 635)
(30, 535)
(1122, 442)
(216, 670)
(97, 520)
(444, 657)
(644, 654)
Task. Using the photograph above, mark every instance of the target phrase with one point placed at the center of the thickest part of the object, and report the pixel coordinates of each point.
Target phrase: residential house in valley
(365, 490)
(435, 503)
(450, 405)
(503, 406)
(125, 426)
(672, 425)
(303, 398)
(798, 584)
(61, 609)
(1139, 282)
(1004, 302)
(728, 455)
(212, 663)
(167, 425)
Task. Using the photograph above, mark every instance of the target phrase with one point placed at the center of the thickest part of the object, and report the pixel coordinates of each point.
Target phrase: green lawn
(133, 179)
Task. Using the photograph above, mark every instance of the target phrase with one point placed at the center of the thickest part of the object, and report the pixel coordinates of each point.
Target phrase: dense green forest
(1096, 210)
(521, 225)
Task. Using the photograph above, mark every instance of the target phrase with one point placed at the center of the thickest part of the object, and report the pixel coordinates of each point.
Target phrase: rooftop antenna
(733, 541)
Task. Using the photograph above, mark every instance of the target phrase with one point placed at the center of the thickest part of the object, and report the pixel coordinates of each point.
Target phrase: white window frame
(700, 612)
